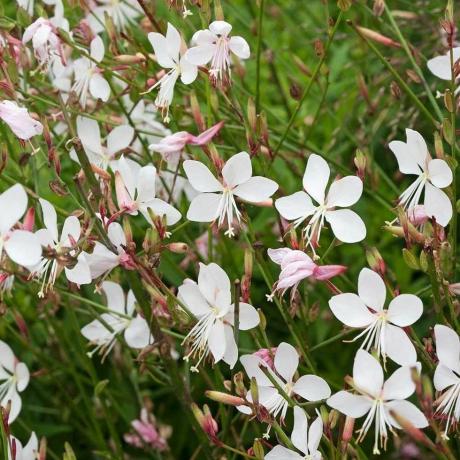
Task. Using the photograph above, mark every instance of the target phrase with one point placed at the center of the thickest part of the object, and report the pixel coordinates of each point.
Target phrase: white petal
(314, 436)
(440, 67)
(256, 189)
(220, 28)
(49, 218)
(13, 204)
(160, 48)
(251, 365)
(161, 208)
(216, 341)
(240, 47)
(188, 71)
(214, 284)
(237, 170)
(97, 49)
(201, 177)
(417, 147)
(101, 260)
(99, 88)
(439, 172)
(367, 373)
(204, 207)
(398, 346)
(201, 54)
(371, 289)
(408, 411)
(312, 388)
(115, 296)
(190, 295)
(444, 377)
(90, 137)
(316, 177)
(119, 139)
(447, 347)
(350, 309)
(277, 255)
(406, 162)
(80, 273)
(297, 205)
(248, 317)
(282, 453)
(24, 248)
(22, 376)
(286, 361)
(116, 234)
(16, 404)
(344, 192)
(173, 41)
(299, 434)
(347, 226)
(30, 450)
(231, 349)
(129, 171)
(137, 334)
(71, 228)
(399, 385)
(349, 404)
(437, 204)
(7, 358)
(405, 310)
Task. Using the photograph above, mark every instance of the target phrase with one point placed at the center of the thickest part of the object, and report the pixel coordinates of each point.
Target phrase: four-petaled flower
(122, 317)
(447, 374)
(217, 198)
(210, 301)
(383, 328)
(433, 175)
(214, 44)
(377, 398)
(309, 387)
(305, 439)
(346, 225)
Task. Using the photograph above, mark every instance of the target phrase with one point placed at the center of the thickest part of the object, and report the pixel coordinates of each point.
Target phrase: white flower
(383, 328)
(135, 187)
(433, 175)
(210, 301)
(123, 319)
(303, 438)
(90, 136)
(168, 55)
(18, 119)
(21, 246)
(309, 387)
(440, 65)
(214, 44)
(377, 399)
(49, 267)
(447, 374)
(28, 452)
(14, 378)
(346, 225)
(217, 198)
(88, 77)
(103, 260)
(121, 12)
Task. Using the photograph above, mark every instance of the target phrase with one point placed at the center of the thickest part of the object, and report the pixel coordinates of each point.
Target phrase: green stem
(259, 51)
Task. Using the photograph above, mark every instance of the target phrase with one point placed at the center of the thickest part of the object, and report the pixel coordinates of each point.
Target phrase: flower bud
(375, 260)
(360, 161)
(258, 450)
(379, 7)
(224, 398)
(178, 248)
(347, 433)
(377, 37)
(130, 59)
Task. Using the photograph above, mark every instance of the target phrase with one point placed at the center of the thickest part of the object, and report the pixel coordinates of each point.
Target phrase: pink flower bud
(267, 355)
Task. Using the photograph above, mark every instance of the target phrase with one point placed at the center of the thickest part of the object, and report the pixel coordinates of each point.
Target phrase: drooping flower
(172, 146)
(20, 122)
(14, 378)
(146, 433)
(433, 175)
(21, 246)
(440, 66)
(305, 439)
(121, 319)
(346, 225)
(214, 45)
(60, 249)
(90, 136)
(309, 387)
(210, 301)
(45, 41)
(296, 266)
(135, 188)
(217, 197)
(27, 452)
(447, 374)
(377, 398)
(383, 328)
(168, 53)
(122, 13)
(88, 77)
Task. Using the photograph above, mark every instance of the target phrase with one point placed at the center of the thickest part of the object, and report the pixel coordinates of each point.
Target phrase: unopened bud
(130, 59)
(252, 115)
(395, 90)
(377, 37)
(295, 91)
(258, 450)
(379, 7)
(319, 47)
(178, 248)
(427, 388)
(375, 260)
(360, 161)
(347, 433)
(238, 380)
(224, 398)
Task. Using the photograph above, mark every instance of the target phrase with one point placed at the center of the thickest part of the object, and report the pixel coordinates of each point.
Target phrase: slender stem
(259, 51)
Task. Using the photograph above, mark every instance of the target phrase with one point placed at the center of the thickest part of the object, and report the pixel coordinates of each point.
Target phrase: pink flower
(19, 120)
(171, 147)
(297, 265)
(145, 433)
